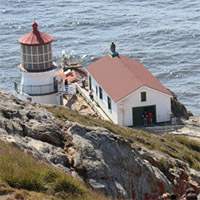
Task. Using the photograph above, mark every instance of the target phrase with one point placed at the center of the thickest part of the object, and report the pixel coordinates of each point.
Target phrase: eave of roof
(35, 38)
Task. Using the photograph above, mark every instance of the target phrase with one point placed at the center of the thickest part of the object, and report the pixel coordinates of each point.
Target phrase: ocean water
(163, 35)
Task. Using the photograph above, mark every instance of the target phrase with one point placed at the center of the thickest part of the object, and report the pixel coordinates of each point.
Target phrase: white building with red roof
(40, 80)
(126, 90)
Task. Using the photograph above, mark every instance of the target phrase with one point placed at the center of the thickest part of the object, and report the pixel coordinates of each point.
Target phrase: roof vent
(113, 52)
(35, 27)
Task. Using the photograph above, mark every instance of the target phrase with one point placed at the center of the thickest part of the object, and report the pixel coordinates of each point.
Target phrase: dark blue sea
(163, 35)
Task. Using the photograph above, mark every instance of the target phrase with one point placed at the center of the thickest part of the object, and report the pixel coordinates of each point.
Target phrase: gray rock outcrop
(105, 161)
(178, 109)
(112, 165)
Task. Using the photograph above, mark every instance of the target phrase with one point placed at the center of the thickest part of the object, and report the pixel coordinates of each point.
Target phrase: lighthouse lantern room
(38, 81)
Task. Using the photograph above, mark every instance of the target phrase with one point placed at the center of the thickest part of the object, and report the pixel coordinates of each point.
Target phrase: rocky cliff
(178, 109)
(105, 161)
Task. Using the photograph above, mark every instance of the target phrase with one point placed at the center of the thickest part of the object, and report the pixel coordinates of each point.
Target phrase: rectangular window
(96, 90)
(90, 83)
(100, 93)
(109, 103)
(143, 96)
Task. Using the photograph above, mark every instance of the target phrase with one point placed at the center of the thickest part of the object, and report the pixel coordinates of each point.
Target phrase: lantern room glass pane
(45, 48)
(28, 49)
(34, 50)
(29, 58)
(41, 58)
(40, 50)
(24, 57)
(36, 57)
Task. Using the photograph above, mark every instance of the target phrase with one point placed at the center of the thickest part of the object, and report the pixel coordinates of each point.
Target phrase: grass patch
(180, 147)
(164, 166)
(24, 175)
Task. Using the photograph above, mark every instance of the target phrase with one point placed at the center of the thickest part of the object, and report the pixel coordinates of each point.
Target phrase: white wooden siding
(162, 102)
(103, 103)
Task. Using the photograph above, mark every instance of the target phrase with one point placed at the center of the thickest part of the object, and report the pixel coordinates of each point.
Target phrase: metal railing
(35, 89)
(92, 105)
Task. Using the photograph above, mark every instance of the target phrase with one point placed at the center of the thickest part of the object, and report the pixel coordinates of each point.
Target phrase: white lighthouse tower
(38, 81)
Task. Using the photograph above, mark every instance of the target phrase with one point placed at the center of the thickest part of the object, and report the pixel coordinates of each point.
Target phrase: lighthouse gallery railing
(35, 89)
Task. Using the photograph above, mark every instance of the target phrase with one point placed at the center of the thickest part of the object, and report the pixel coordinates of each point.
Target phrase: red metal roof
(119, 76)
(35, 37)
(70, 77)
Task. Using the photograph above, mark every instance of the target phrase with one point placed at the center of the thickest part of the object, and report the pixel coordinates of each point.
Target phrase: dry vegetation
(180, 147)
(24, 177)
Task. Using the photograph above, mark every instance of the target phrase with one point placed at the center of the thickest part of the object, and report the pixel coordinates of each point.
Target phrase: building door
(138, 114)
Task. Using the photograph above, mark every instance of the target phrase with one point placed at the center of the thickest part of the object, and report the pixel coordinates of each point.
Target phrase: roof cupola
(35, 37)
(35, 27)
(113, 52)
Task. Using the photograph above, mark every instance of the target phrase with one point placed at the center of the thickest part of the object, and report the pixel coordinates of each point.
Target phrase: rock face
(33, 130)
(112, 165)
(179, 174)
(178, 109)
(105, 161)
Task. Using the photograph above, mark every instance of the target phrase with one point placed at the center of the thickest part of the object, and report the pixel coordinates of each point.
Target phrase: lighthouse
(39, 81)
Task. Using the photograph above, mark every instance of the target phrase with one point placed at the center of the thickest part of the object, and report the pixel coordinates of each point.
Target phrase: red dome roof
(35, 37)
